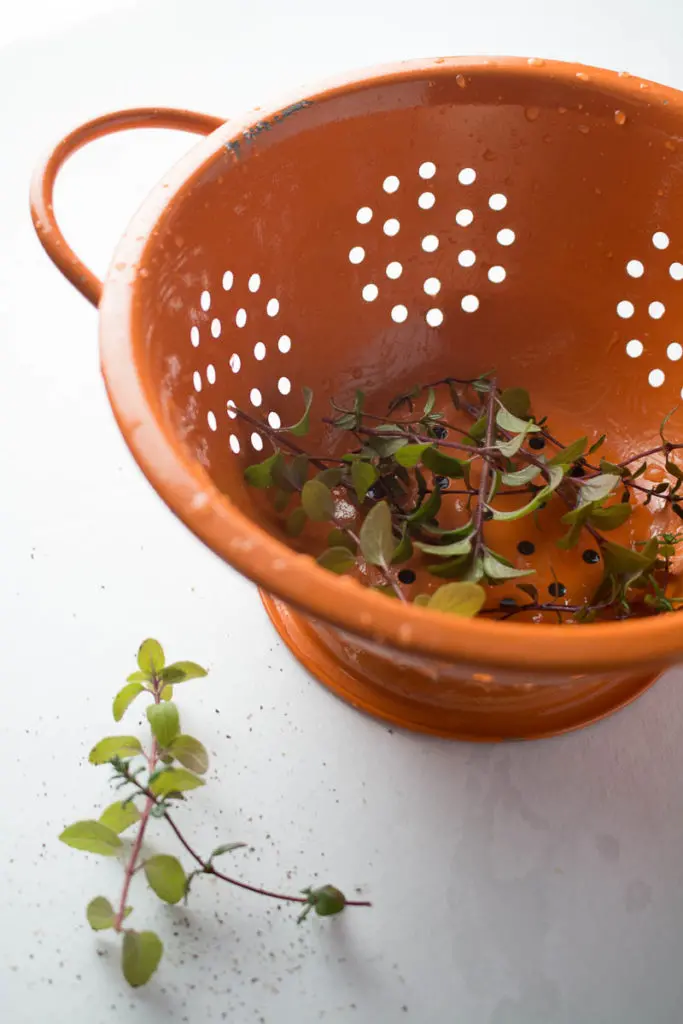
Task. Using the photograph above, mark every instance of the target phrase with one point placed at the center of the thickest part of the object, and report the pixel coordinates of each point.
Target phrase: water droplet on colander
(119, 266)
(535, 62)
(584, 129)
(624, 74)
(582, 76)
(670, 144)
(619, 117)
(461, 81)
(488, 155)
(532, 113)
(439, 60)
(143, 272)
(562, 110)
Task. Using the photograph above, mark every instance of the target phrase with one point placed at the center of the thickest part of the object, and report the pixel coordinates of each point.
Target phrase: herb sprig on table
(383, 497)
(154, 782)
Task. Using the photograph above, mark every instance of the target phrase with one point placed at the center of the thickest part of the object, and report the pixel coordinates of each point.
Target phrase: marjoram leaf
(376, 537)
(363, 476)
(317, 501)
(124, 698)
(114, 746)
(191, 753)
(166, 877)
(497, 570)
(140, 956)
(464, 599)
(598, 487)
(164, 721)
(100, 914)
(151, 657)
(120, 815)
(182, 671)
(337, 559)
(91, 836)
(300, 429)
(226, 848)
(174, 780)
(261, 473)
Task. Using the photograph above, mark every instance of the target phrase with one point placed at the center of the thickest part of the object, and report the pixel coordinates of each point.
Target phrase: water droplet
(532, 113)
(439, 60)
(547, 138)
(583, 76)
(461, 81)
(584, 129)
(670, 144)
(644, 85)
(562, 110)
(488, 155)
(535, 62)
(624, 74)
(143, 272)
(619, 117)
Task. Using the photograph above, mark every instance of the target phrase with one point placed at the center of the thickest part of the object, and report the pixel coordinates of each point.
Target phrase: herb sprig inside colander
(384, 496)
(154, 782)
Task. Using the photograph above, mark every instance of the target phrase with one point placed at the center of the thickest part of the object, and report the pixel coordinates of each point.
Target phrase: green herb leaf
(281, 500)
(114, 746)
(182, 671)
(421, 600)
(454, 569)
(569, 455)
(621, 561)
(164, 721)
(166, 692)
(166, 877)
(598, 487)
(363, 476)
(328, 901)
(225, 848)
(429, 404)
(338, 559)
(139, 677)
(556, 474)
(317, 501)
(506, 421)
(261, 473)
(296, 520)
(517, 402)
(520, 477)
(664, 422)
(140, 956)
(376, 537)
(191, 753)
(120, 815)
(404, 549)
(300, 429)
(91, 836)
(174, 780)
(610, 518)
(330, 477)
(478, 429)
(530, 590)
(597, 444)
(386, 446)
(464, 599)
(411, 454)
(457, 547)
(151, 657)
(495, 569)
(340, 539)
(443, 464)
(124, 698)
(100, 914)
(446, 534)
(427, 510)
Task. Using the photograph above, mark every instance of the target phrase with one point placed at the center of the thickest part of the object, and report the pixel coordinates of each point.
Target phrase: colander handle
(42, 185)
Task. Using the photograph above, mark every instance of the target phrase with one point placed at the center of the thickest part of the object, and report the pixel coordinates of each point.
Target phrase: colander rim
(296, 578)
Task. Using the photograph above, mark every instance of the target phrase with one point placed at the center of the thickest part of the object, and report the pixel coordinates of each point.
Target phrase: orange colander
(437, 217)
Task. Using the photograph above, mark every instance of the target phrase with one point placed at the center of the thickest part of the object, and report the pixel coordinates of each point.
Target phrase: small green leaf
(427, 509)
(100, 914)
(261, 473)
(517, 402)
(114, 746)
(511, 447)
(225, 848)
(664, 422)
(494, 569)
(363, 476)
(443, 464)
(464, 599)
(621, 561)
(457, 547)
(453, 569)
(174, 780)
(166, 877)
(182, 671)
(520, 477)
(530, 590)
(340, 539)
(328, 900)
(376, 537)
(317, 501)
(166, 692)
(610, 518)
(140, 956)
(447, 535)
(338, 559)
(164, 721)
(598, 487)
(569, 455)
(300, 429)
(91, 836)
(403, 551)
(191, 753)
(139, 677)
(331, 476)
(124, 698)
(120, 815)
(386, 446)
(506, 421)
(477, 431)
(296, 520)
(556, 474)
(411, 454)
(421, 600)
(151, 657)
(429, 403)
(612, 468)
(597, 444)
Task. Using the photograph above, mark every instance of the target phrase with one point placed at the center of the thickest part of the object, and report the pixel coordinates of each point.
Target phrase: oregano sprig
(159, 778)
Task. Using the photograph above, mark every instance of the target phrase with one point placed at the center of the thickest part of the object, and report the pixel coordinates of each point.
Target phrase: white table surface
(519, 884)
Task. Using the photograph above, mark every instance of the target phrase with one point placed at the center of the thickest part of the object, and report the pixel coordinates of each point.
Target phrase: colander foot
(480, 709)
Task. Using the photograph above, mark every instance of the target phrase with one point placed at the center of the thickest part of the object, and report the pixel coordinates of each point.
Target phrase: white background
(519, 884)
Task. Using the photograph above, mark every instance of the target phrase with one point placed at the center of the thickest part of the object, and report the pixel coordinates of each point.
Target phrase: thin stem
(478, 517)
(279, 439)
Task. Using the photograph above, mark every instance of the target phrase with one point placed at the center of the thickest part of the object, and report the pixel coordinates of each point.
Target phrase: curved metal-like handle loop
(42, 185)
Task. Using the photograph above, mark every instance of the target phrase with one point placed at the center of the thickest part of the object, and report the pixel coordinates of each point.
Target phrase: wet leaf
(448, 550)
(300, 429)
(317, 501)
(261, 473)
(622, 561)
(453, 569)
(411, 454)
(494, 569)
(515, 425)
(421, 600)
(182, 672)
(151, 657)
(556, 475)
(166, 877)
(376, 536)
(114, 746)
(517, 402)
(610, 518)
(569, 455)
(363, 476)
(140, 956)
(477, 431)
(191, 753)
(464, 599)
(445, 465)
(598, 487)
(404, 549)
(597, 444)
(92, 836)
(119, 816)
(511, 447)
(427, 510)
(337, 559)
(164, 721)
(520, 477)
(124, 698)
